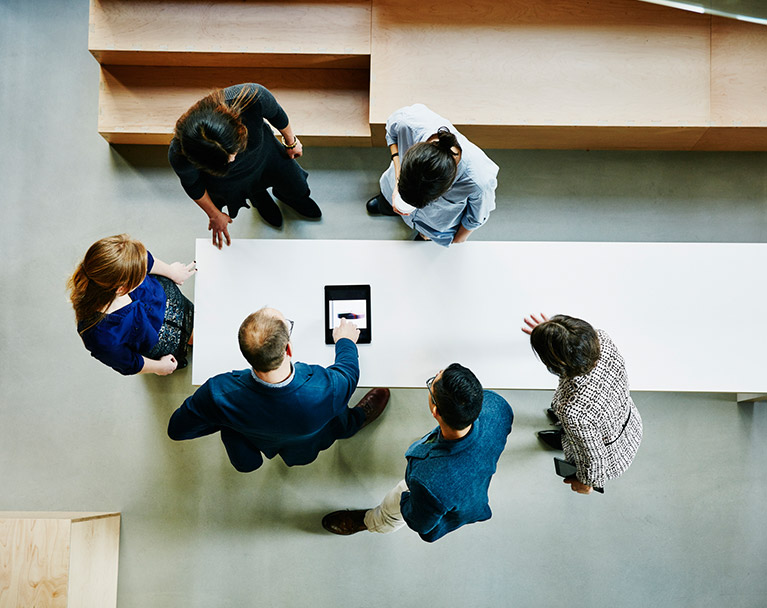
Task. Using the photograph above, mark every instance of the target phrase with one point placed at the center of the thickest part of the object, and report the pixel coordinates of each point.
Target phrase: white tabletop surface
(685, 316)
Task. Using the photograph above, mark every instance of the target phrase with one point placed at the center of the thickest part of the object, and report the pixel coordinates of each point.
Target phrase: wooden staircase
(613, 74)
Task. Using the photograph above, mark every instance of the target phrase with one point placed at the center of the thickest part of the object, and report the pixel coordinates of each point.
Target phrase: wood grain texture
(564, 62)
(69, 515)
(197, 27)
(95, 546)
(142, 104)
(233, 60)
(34, 562)
(58, 559)
(738, 73)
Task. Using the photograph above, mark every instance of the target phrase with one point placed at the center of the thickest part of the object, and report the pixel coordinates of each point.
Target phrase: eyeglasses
(290, 329)
(429, 382)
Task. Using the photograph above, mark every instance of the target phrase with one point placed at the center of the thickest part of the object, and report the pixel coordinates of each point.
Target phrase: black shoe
(553, 416)
(267, 208)
(306, 207)
(419, 237)
(345, 522)
(378, 205)
(552, 439)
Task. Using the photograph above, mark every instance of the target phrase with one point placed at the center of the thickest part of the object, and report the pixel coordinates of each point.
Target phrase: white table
(686, 317)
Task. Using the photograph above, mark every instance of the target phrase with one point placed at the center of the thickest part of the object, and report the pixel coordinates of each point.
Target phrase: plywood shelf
(141, 104)
(555, 74)
(224, 33)
(59, 559)
(564, 74)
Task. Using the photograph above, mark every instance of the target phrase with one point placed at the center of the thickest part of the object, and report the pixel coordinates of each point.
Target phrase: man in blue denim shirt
(449, 470)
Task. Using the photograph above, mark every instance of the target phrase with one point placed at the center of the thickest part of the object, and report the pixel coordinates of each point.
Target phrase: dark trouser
(285, 175)
(287, 178)
(246, 457)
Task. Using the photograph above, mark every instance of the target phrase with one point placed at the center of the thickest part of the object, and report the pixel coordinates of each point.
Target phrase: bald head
(263, 338)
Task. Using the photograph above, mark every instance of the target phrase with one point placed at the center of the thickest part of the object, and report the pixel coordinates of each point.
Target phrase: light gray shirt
(470, 199)
(285, 382)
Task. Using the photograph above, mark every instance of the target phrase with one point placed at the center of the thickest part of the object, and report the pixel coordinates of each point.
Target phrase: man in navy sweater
(449, 470)
(278, 406)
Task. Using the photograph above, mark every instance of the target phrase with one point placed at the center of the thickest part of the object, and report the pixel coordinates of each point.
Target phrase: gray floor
(683, 527)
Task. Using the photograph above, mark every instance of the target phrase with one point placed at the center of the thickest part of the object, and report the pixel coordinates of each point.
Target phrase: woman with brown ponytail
(130, 314)
(440, 183)
(223, 152)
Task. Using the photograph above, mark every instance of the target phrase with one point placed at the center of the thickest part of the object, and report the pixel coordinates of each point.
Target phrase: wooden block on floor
(59, 559)
(222, 33)
(139, 104)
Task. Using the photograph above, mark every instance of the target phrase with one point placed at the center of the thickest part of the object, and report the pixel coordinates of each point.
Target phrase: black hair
(211, 130)
(458, 396)
(428, 169)
(567, 346)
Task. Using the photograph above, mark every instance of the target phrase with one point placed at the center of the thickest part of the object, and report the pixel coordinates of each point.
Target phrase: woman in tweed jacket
(601, 427)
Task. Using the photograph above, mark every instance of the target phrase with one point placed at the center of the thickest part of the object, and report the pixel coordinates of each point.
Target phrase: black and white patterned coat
(593, 409)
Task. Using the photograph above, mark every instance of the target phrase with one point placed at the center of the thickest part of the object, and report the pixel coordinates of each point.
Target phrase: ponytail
(428, 169)
(446, 141)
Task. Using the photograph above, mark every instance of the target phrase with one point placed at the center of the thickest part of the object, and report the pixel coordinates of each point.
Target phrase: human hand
(346, 329)
(295, 151)
(167, 365)
(533, 322)
(181, 272)
(577, 486)
(219, 225)
(461, 235)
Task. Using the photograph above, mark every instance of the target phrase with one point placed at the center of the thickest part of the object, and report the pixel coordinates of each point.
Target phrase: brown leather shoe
(345, 522)
(373, 404)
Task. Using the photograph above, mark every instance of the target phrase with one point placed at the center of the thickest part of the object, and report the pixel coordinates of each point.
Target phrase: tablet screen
(351, 302)
(353, 310)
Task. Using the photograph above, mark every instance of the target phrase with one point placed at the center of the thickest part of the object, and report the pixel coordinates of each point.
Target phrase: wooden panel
(738, 74)
(563, 62)
(233, 60)
(68, 515)
(197, 30)
(34, 562)
(733, 139)
(95, 545)
(582, 138)
(142, 104)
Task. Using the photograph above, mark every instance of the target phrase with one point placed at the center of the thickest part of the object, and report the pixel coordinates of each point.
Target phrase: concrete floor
(683, 528)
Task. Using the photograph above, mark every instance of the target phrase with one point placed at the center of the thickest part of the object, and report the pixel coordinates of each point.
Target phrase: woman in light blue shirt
(443, 204)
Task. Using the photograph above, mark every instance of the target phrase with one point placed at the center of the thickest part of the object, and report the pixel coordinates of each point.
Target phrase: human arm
(346, 368)
(218, 221)
(394, 151)
(421, 510)
(586, 448)
(479, 204)
(194, 185)
(292, 144)
(461, 235)
(177, 272)
(265, 105)
(189, 420)
(162, 367)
